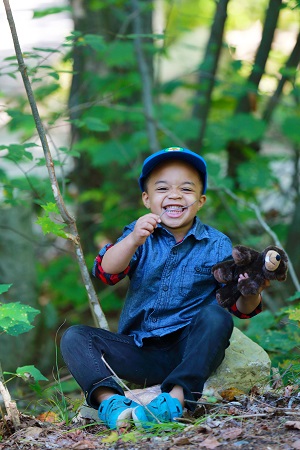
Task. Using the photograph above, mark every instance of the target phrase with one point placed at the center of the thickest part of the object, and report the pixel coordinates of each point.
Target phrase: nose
(175, 193)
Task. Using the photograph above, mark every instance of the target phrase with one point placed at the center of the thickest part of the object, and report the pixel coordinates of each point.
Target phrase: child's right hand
(144, 226)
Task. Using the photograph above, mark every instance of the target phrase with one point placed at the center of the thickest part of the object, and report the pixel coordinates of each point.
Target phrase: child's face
(174, 192)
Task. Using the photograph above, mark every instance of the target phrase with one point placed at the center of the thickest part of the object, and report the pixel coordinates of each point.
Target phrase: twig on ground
(10, 405)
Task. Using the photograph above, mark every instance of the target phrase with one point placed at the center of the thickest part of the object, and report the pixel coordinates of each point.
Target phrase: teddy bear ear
(272, 260)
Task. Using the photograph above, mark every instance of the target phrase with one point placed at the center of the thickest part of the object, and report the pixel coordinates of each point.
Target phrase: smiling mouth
(175, 209)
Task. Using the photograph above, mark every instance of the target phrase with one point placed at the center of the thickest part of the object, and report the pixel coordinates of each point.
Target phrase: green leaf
(95, 124)
(46, 49)
(294, 314)
(296, 296)
(4, 288)
(95, 41)
(49, 226)
(21, 121)
(244, 127)
(16, 318)
(291, 127)
(48, 11)
(51, 207)
(16, 152)
(30, 372)
(46, 90)
(255, 173)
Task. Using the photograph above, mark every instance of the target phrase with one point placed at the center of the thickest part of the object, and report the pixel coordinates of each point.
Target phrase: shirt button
(165, 288)
(154, 319)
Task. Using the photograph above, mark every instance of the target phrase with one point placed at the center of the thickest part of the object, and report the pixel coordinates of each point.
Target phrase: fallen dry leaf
(231, 433)
(32, 432)
(85, 444)
(49, 416)
(112, 438)
(231, 393)
(181, 441)
(295, 425)
(210, 442)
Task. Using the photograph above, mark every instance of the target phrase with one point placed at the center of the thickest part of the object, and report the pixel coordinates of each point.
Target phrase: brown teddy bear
(270, 264)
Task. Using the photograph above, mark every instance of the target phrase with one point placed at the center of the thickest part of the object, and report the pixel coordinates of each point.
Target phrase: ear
(146, 201)
(202, 201)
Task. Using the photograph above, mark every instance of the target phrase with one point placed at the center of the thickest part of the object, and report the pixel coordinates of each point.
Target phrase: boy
(172, 332)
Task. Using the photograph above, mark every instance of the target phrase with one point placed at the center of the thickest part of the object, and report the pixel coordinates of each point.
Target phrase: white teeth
(174, 208)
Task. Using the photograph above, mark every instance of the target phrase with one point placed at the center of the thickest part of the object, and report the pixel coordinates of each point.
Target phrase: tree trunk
(208, 70)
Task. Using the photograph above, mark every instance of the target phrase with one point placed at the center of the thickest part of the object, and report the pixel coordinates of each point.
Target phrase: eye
(187, 190)
(162, 189)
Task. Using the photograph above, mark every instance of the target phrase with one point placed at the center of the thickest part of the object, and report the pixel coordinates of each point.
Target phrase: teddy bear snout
(272, 260)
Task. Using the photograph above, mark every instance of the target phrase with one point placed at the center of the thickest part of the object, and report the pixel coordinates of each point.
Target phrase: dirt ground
(255, 422)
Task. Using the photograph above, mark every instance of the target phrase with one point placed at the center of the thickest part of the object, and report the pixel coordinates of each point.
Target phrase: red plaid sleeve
(107, 278)
(233, 310)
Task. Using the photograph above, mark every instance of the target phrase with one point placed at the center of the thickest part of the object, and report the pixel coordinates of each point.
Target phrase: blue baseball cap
(172, 153)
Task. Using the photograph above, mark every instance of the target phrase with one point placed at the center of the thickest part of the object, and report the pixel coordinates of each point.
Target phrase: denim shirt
(169, 281)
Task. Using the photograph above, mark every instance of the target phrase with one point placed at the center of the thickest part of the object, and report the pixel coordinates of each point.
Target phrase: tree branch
(96, 310)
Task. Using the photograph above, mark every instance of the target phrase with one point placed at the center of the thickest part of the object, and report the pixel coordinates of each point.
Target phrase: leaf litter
(247, 422)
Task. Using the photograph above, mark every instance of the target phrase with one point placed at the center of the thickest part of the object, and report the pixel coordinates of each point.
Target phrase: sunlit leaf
(16, 318)
(294, 314)
(48, 11)
(49, 226)
(29, 373)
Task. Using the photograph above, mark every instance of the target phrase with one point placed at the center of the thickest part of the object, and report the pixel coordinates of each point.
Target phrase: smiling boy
(171, 332)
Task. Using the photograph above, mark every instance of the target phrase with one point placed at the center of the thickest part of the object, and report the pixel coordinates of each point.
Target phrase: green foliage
(29, 374)
(16, 318)
(50, 224)
(48, 11)
(278, 334)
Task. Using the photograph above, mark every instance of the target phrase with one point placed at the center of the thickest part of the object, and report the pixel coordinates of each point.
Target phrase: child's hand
(145, 226)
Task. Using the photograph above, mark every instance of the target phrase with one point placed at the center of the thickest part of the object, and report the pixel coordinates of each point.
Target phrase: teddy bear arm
(223, 271)
(243, 255)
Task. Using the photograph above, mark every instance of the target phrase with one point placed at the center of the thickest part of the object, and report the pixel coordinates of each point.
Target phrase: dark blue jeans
(186, 357)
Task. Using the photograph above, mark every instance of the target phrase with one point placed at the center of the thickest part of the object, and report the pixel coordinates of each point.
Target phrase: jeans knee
(70, 338)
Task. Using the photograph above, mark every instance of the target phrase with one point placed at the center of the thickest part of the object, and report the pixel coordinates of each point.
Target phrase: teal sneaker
(162, 408)
(116, 411)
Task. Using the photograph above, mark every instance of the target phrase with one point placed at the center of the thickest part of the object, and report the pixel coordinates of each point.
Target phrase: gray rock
(245, 365)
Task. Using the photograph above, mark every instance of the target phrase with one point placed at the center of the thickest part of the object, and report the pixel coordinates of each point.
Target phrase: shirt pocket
(195, 280)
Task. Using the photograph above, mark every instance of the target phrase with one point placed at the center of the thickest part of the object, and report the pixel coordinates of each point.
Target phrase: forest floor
(255, 422)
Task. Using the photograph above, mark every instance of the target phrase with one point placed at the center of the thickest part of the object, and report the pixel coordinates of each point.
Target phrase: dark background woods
(130, 78)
